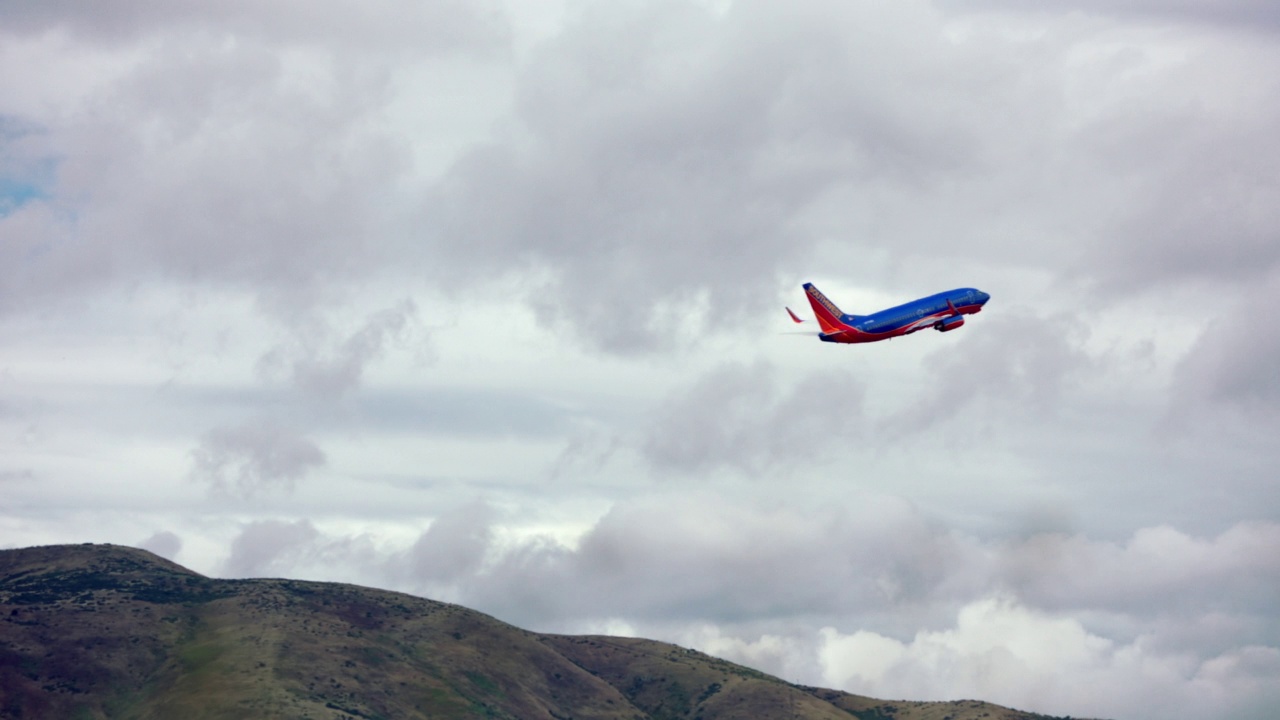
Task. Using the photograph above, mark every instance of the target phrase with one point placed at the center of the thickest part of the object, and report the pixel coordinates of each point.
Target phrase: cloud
(331, 372)
(1235, 362)
(24, 475)
(1159, 567)
(163, 543)
(1015, 361)
(269, 179)
(735, 146)
(454, 547)
(785, 653)
(694, 555)
(256, 457)
(661, 168)
(299, 550)
(1247, 14)
(242, 146)
(1010, 654)
(664, 154)
(699, 558)
(405, 25)
(743, 417)
(733, 563)
(269, 546)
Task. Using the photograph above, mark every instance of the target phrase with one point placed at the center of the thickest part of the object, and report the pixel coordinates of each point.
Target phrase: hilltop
(103, 631)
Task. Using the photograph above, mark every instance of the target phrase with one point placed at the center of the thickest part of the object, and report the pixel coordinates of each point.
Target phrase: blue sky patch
(26, 174)
(14, 193)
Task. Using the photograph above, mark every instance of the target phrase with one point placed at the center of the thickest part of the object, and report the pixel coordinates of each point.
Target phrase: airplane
(943, 312)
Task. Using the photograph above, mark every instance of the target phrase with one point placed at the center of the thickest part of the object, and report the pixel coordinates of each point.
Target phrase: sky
(483, 301)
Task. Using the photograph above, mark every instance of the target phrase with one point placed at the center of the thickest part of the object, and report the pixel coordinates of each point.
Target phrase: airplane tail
(829, 316)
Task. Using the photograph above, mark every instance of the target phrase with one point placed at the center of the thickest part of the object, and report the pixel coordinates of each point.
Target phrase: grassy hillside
(101, 631)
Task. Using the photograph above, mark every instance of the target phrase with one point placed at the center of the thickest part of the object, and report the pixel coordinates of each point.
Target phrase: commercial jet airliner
(943, 312)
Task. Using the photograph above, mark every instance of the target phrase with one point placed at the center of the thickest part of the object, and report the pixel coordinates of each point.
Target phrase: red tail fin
(826, 311)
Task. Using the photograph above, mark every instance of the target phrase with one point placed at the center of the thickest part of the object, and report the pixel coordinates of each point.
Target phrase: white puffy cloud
(1008, 653)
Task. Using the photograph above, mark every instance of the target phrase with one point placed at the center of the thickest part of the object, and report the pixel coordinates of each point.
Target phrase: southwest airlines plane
(942, 312)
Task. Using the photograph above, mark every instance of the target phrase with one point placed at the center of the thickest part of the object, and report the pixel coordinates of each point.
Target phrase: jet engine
(950, 323)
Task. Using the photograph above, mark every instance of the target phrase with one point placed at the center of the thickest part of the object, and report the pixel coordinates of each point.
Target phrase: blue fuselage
(944, 311)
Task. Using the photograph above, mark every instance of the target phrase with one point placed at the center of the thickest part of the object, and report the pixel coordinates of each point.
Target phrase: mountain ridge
(107, 631)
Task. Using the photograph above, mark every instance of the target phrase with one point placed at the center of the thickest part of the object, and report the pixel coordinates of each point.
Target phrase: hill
(102, 631)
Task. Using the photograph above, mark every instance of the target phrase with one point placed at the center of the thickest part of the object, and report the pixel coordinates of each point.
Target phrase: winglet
(793, 316)
(954, 311)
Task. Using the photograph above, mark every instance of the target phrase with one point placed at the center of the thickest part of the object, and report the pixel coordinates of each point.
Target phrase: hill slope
(102, 631)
